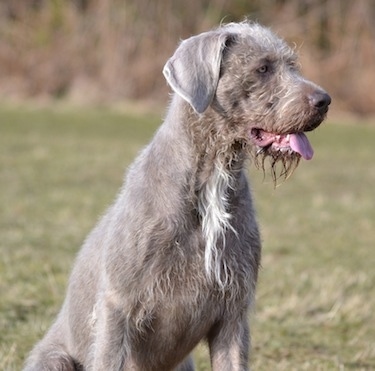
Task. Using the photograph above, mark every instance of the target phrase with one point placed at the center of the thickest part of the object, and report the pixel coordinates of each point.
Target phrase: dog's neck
(217, 163)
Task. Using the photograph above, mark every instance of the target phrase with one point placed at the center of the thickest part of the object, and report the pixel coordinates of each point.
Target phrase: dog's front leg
(110, 350)
(229, 346)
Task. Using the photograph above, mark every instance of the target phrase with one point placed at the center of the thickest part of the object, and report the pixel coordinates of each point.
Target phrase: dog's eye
(294, 66)
(263, 69)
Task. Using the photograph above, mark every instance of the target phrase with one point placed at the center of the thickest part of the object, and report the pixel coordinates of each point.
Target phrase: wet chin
(281, 165)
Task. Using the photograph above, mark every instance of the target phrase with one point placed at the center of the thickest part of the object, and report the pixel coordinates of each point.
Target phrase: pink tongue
(299, 143)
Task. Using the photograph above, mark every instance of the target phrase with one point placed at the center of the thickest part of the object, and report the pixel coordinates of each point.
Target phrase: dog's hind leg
(50, 358)
(51, 354)
(186, 365)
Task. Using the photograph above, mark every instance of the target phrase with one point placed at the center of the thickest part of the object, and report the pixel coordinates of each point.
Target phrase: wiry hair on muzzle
(281, 164)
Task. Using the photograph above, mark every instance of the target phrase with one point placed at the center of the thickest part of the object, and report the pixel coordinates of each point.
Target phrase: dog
(175, 260)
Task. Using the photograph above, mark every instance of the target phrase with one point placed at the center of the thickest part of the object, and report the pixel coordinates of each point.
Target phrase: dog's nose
(320, 100)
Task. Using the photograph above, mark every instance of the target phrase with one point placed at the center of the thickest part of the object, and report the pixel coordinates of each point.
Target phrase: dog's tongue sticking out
(299, 143)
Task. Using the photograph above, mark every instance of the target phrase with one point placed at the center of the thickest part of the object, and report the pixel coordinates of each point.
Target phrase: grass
(61, 168)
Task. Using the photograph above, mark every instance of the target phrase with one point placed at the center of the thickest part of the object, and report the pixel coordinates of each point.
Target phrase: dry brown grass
(112, 50)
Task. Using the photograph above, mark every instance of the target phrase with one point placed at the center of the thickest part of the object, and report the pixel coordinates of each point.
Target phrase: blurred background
(104, 51)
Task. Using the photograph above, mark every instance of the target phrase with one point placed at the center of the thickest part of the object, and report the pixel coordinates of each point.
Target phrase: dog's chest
(185, 296)
(184, 316)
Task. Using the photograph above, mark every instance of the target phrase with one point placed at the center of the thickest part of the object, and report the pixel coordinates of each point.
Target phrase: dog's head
(251, 78)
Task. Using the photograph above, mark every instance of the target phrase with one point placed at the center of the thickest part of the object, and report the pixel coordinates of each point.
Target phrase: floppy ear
(193, 71)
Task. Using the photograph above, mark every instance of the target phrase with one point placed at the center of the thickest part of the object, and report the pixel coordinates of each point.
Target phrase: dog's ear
(193, 71)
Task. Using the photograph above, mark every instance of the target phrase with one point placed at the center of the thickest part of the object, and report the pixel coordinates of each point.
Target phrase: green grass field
(61, 168)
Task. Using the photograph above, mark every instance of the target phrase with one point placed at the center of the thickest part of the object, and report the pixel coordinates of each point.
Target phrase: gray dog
(175, 260)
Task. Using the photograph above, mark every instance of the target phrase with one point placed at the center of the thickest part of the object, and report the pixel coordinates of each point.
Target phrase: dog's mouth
(284, 151)
(293, 143)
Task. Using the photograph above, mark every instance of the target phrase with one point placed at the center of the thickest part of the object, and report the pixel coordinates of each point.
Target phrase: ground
(61, 167)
